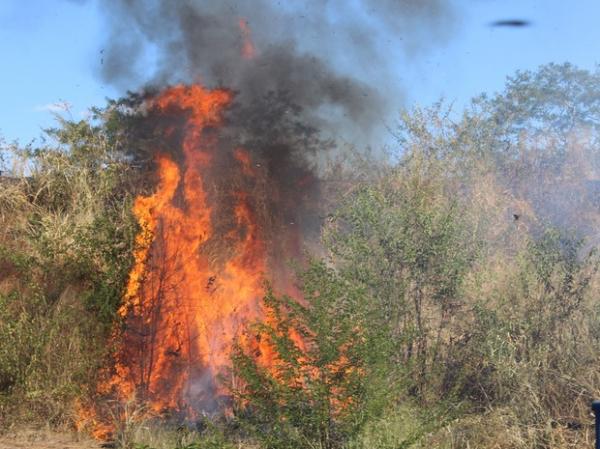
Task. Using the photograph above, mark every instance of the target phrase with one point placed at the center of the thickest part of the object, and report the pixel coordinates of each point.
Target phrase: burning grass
(454, 308)
(198, 273)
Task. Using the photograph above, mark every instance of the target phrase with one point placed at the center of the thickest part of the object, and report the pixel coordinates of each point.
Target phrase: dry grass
(45, 438)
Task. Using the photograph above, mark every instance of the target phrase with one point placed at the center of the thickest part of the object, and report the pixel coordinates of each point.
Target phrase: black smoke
(332, 58)
(322, 70)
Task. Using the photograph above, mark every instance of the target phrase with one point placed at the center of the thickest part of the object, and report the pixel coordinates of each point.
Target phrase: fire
(193, 286)
(215, 227)
(248, 48)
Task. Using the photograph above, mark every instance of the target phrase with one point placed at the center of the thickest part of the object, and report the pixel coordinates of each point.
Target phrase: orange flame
(184, 305)
(197, 277)
(248, 48)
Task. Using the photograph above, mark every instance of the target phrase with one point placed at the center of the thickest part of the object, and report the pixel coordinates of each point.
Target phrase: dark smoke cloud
(320, 72)
(323, 70)
(327, 55)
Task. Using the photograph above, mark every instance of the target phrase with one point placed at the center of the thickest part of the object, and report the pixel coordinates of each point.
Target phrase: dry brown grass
(45, 438)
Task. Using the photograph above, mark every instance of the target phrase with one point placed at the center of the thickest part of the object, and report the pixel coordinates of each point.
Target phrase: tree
(404, 239)
(559, 98)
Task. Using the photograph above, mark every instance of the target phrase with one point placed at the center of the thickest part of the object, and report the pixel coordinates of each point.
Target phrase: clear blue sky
(51, 51)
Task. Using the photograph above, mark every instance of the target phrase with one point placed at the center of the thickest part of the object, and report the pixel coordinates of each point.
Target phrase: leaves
(326, 379)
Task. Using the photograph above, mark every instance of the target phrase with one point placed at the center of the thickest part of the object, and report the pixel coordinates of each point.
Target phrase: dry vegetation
(460, 281)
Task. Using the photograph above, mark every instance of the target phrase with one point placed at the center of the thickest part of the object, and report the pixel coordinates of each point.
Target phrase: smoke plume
(304, 73)
(327, 56)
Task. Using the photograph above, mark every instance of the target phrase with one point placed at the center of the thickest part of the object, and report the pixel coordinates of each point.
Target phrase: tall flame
(248, 48)
(184, 305)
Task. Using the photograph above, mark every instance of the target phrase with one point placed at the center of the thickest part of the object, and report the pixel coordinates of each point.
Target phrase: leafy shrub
(330, 366)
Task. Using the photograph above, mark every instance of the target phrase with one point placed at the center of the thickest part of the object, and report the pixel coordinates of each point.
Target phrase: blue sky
(51, 52)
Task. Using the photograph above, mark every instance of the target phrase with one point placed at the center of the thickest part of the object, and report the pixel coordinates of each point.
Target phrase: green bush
(331, 366)
(66, 235)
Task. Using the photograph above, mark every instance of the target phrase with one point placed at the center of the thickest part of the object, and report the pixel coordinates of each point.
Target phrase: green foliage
(468, 253)
(153, 437)
(47, 355)
(556, 98)
(330, 370)
(457, 306)
(66, 235)
(404, 238)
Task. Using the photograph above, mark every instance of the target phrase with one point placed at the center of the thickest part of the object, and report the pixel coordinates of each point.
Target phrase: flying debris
(514, 23)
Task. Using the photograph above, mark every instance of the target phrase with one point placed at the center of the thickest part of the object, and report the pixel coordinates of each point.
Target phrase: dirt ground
(45, 439)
